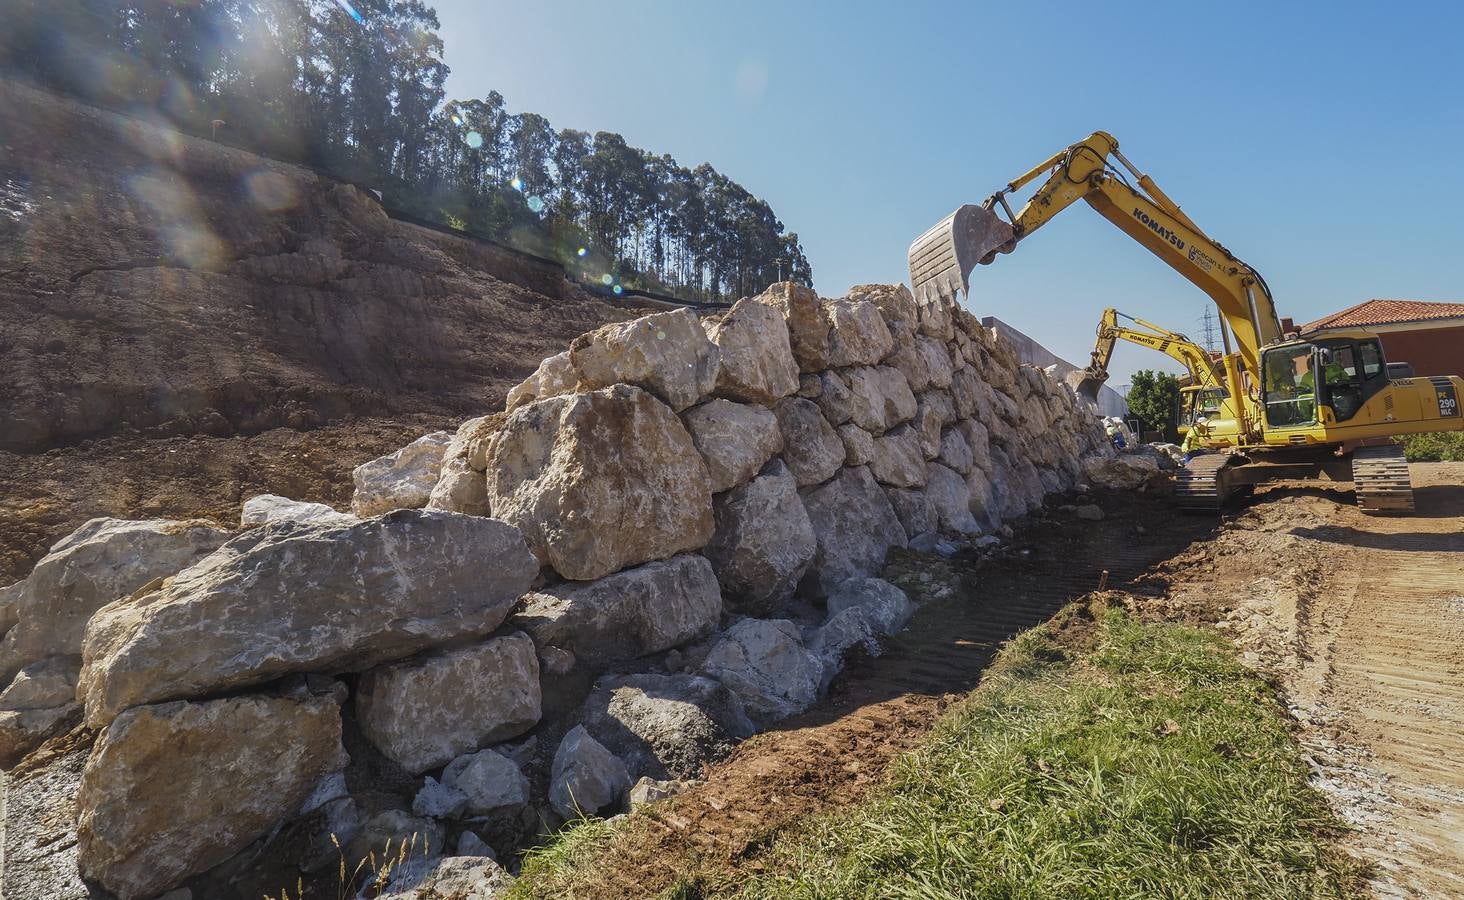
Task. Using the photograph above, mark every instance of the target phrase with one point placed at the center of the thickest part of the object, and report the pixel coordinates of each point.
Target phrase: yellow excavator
(1305, 407)
(1204, 397)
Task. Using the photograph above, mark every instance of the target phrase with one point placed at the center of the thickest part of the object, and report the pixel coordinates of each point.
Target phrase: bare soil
(1362, 620)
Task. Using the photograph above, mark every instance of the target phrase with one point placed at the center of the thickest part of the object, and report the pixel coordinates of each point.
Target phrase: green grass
(1442, 447)
(1150, 765)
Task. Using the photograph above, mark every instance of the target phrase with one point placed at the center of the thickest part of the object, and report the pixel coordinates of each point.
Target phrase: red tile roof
(1387, 312)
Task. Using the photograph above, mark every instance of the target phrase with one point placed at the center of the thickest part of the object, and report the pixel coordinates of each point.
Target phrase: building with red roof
(1428, 336)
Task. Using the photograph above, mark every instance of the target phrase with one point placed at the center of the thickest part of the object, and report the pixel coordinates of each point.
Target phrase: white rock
(887, 607)
(555, 376)
(757, 357)
(913, 509)
(950, 497)
(855, 527)
(586, 777)
(955, 452)
(400, 480)
(427, 711)
(858, 335)
(173, 789)
(460, 489)
(880, 398)
(101, 561)
(808, 328)
(763, 543)
(811, 448)
(298, 598)
(833, 397)
(665, 726)
(266, 508)
(439, 801)
(644, 610)
(858, 444)
(765, 663)
(899, 460)
(447, 878)
(735, 439)
(937, 361)
(1123, 472)
(469, 844)
(490, 781)
(666, 353)
(600, 481)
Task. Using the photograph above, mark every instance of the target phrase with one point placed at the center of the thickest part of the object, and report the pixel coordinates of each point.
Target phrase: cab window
(1372, 359)
(1290, 386)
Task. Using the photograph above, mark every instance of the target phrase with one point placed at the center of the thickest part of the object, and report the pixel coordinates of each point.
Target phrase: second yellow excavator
(1304, 407)
(1204, 396)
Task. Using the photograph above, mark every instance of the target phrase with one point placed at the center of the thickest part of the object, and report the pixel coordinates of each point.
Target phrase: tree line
(356, 88)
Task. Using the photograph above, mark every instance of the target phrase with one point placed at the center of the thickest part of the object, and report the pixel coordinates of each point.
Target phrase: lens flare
(536, 204)
(606, 279)
(473, 139)
(350, 10)
(516, 183)
(618, 290)
(581, 252)
(457, 119)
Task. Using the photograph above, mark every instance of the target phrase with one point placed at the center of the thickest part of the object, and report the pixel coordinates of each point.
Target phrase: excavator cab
(1338, 374)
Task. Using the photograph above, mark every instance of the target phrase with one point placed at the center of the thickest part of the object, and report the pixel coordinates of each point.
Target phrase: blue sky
(1320, 142)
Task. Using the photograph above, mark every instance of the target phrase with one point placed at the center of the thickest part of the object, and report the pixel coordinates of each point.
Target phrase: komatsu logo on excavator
(1158, 229)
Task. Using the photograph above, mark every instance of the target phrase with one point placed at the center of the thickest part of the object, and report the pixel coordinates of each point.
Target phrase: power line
(1207, 329)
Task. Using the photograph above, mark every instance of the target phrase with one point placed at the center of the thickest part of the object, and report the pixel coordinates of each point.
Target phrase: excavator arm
(941, 260)
(1203, 370)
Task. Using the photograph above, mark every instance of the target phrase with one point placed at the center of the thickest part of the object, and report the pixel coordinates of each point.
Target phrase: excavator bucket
(942, 258)
(1086, 383)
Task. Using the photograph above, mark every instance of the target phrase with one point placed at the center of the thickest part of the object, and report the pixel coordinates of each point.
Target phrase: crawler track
(1380, 477)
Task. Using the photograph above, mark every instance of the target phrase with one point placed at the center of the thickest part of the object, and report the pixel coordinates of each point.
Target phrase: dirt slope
(154, 286)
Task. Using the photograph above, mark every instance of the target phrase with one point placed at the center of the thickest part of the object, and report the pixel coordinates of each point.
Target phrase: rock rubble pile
(669, 540)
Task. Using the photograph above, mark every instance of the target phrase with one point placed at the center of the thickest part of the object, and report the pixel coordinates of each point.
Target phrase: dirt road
(1363, 619)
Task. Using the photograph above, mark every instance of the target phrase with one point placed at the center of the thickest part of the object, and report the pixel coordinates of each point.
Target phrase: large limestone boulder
(647, 609)
(913, 509)
(833, 397)
(490, 782)
(763, 544)
(898, 459)
(808, 328)
(811, 448)
(665, 726)
(766, 665)
(295, 598)
(937, 361)
(400, 480)
(556, 375)
(895, 301)
(880, 398)
(884, 606)
(855, 527)
(174, 789)
(757, 357)
(955, 452)
(858, 444)
(666, 353)
(461, 486)
(735, 439)
(585, 778)
(858, 335)
(266, 509)
(1123, 472)
(447, 878)
(950, 498)
(99, 562)
(39, 703)
(600, 481)
(425, 712)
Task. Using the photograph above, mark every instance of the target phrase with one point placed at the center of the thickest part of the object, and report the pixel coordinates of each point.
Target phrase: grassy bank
(1101, 757)
(1441, 447)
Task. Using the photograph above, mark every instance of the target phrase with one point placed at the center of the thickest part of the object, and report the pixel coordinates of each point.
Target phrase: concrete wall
(1110, 402)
